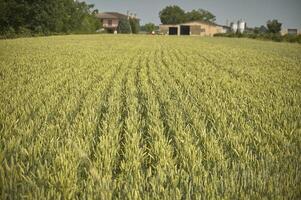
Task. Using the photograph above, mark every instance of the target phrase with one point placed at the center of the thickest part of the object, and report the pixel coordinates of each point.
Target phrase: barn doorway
(173, 30)
(185, 30)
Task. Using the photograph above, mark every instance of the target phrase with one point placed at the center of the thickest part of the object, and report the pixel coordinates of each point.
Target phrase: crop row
(95, 117)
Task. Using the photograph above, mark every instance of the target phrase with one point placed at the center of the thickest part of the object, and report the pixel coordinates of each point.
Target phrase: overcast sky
(254, 12)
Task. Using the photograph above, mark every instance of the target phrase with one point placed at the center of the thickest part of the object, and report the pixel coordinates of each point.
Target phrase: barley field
(149, 117)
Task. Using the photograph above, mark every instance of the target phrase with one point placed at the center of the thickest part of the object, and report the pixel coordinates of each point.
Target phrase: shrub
(149, 27)
(38, 30)
(124, 26)
(24, 32)
(276, 37)
(263, 36)
(9, 33)
(135, 26)
(292, 38)
(219, 34)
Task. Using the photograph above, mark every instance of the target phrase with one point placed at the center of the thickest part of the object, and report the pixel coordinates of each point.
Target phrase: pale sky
(254, 12)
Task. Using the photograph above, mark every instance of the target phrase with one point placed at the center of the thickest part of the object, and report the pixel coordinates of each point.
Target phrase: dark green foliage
(172, 15)
(24, 31)
(292, 38)
(274, 26)
(175, 15)
(260, 30)
(275, 37)
(200, 14)
(124, 26)
(44, 17)
(9, 32)
(89, 24)
(149, 27)
(135, 26)
(263, 36)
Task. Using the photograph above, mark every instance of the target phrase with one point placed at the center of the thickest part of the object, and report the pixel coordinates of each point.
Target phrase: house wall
(105, 23)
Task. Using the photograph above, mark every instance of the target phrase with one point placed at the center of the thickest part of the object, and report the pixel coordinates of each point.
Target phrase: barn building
(201, 28)
(291, 31)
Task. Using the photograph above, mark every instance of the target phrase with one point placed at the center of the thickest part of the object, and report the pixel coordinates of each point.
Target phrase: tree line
(175, 15)
(45, 17)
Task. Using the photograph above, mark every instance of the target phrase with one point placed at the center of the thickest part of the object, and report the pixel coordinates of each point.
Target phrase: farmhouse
(201, 28)
(110, 20)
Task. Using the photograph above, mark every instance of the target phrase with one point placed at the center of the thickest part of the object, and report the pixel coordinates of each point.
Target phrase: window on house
(110, 22)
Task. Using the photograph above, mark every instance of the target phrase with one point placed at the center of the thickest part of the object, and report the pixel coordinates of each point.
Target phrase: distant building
(291, 31)
(201, 28)
(110, 20)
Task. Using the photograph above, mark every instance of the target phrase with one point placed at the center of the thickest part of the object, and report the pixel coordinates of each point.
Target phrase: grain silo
(234, 27)
(241, 26)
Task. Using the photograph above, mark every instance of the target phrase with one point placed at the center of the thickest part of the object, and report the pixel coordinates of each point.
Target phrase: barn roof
(196, 21)
(202, 22)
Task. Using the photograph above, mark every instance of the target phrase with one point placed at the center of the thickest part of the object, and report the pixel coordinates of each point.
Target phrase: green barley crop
(149, 117)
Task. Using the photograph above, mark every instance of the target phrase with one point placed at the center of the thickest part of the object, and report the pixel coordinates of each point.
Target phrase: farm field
(149, 117)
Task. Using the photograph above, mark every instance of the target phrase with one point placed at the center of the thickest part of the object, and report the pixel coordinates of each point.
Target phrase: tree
(124, 26)
(176, 15)
(149, 27)
(96, 11)
(274, 26)
(13, 14)
(172, 15)
(260, 30)
(200, 14)
(135, 26)
(46, 16)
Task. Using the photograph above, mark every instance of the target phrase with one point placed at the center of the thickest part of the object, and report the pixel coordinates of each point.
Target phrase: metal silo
(234, 27)
(241, 26)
